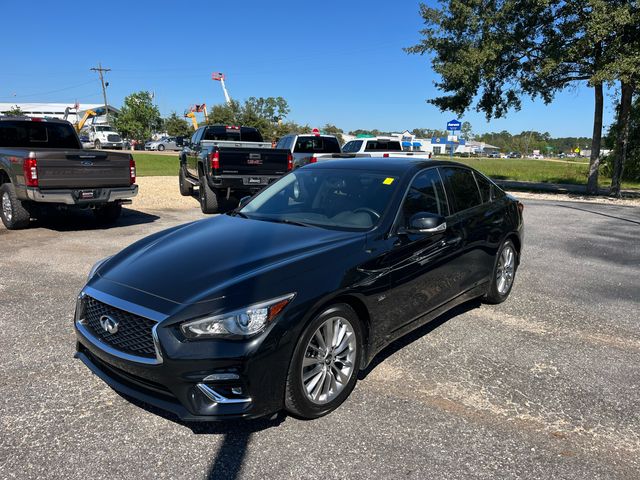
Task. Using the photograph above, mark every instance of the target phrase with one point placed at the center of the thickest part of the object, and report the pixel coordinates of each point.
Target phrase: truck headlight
(243, 322)
(96, 266)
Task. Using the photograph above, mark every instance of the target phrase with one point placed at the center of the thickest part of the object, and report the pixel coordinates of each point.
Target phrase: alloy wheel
(7, 209)
(329, 358)
(506, 269)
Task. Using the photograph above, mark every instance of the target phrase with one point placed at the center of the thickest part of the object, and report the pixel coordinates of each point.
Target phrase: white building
(59, 110)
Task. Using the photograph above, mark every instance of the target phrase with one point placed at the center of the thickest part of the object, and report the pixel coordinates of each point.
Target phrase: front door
(421, 278)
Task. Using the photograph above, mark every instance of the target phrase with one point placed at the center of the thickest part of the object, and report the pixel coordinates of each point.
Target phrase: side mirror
(426, 223)
(244, 201)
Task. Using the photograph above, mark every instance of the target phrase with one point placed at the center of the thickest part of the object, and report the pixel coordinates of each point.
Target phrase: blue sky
(337, 62)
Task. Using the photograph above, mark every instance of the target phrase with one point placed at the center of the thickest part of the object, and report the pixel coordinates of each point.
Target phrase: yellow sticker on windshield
(388, 181)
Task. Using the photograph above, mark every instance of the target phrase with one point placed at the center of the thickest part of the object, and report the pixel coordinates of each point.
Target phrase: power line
(101, 72)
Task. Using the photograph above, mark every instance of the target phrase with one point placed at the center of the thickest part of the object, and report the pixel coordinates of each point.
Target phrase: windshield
(104, 129)
(331, 198)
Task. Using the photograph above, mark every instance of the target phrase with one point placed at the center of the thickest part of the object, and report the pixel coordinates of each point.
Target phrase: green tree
(467, 131)
(15, 111)
(138, 116)
(177, 126)
(498, 52)
(330, 129)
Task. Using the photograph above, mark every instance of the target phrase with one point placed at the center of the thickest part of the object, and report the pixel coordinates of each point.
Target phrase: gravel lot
(546, 385)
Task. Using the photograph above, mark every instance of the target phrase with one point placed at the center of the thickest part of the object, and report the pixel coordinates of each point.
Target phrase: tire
(186, 189)
(12, 211)
(498, 292)
(108, 213)
(97, 145)
(299, 390)
(161, 148)
(208, 197)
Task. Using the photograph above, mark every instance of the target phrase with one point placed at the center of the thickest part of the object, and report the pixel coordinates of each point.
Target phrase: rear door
(472, 220)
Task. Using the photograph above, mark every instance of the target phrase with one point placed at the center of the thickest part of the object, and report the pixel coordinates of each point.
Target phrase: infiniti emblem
(109, 324)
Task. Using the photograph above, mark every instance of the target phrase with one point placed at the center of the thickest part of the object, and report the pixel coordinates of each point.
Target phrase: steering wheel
(370, 211)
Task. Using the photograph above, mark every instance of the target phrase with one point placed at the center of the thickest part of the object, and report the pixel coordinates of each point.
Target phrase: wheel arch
(4, 177)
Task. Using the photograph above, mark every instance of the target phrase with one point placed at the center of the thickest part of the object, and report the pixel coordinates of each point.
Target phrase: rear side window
(283, 143)
(488, 190)
(313, 144)
(28, 134)
(462, 186)
(392, 145)
(352, 147)
(426, 194)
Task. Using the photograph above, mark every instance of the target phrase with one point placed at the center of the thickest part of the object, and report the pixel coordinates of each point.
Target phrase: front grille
(114, 138)
(134, 335)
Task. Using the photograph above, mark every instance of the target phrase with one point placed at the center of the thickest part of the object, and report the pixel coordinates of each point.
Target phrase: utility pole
(101, 71)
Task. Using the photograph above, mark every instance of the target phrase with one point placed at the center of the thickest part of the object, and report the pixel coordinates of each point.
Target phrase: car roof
(392, 165)
(28, 118)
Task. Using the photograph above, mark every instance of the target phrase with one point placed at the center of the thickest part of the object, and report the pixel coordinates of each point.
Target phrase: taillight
(30, 167)
(214, 158)
(289, 162)
(385, 155)
(132, 171)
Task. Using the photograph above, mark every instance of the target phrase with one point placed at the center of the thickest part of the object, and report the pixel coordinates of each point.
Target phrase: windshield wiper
(287, 221)
(238, 213)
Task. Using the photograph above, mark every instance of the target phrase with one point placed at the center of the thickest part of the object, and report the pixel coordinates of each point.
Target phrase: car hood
(201, 261)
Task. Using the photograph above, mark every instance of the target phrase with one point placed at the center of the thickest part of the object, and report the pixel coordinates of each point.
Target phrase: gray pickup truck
(42, 164)
(226, 163)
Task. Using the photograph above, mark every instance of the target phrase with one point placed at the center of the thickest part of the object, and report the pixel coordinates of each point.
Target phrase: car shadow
(420, 332)
(76, 220)
(236, 436)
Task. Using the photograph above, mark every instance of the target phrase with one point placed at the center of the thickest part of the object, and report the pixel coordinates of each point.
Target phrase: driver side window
(426, 194)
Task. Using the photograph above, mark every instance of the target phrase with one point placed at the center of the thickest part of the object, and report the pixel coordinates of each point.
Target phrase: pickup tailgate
(253, 161)
(82, 169)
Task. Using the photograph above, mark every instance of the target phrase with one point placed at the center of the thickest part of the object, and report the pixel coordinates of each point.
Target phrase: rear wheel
(208, 197)
(504, 273)
(186, 188)
(12, 211)
(108, 213)
(324, 367)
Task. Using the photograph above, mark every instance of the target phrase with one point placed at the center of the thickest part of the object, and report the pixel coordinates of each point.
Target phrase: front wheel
(324, 367)
(504, 273)
(97, 145)
(186, 189)
(161, 148)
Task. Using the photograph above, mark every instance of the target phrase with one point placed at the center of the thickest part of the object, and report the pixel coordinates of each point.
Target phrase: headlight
(244, 321)
(95, 267)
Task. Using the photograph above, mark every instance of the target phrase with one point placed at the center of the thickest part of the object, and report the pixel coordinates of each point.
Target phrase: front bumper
(205, 380)
(74, 196)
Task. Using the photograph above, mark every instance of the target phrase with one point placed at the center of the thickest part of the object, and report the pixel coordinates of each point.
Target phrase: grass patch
(527, 170)
(518, 169)
(152, 165)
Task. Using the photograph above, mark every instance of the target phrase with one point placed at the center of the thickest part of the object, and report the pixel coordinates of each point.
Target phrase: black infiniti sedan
(278, 304)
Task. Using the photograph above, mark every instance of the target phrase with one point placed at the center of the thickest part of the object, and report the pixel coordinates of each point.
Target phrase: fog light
(236, 390)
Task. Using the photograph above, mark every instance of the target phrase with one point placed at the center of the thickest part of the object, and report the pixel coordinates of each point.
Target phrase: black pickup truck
(42, 164)
(227, 163)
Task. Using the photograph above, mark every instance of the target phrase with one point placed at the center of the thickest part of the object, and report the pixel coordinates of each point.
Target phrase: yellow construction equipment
(87, 115)
(192, 116)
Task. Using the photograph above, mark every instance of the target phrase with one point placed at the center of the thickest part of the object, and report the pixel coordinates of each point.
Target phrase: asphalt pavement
(546, 385)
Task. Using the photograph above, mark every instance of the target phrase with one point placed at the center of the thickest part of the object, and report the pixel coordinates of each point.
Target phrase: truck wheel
(108, 213)
(12, 211)
(97, 145)
(208, 197)
(186, 189)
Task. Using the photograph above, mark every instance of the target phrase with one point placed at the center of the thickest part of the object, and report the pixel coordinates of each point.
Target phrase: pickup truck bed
(61, 175)
(226, 170)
